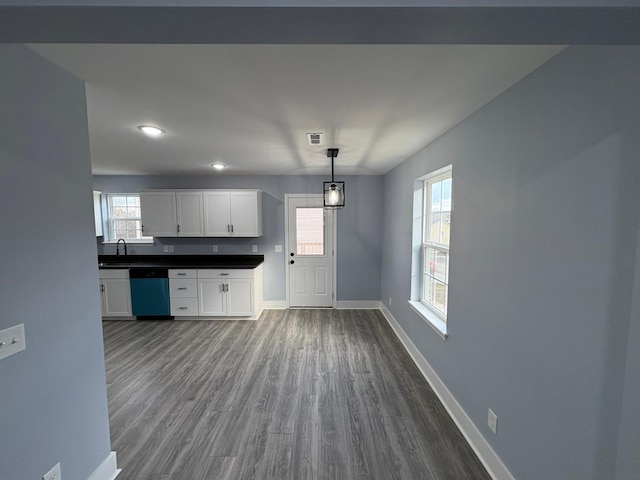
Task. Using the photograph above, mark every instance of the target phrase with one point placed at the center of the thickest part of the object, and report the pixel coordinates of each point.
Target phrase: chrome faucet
(118, 246)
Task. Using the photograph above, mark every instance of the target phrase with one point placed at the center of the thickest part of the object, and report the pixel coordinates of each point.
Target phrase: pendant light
(333, 191)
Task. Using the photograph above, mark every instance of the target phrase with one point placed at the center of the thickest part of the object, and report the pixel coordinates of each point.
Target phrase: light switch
(12, 341)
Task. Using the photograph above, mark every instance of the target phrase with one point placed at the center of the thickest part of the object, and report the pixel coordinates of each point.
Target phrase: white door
(310, 252)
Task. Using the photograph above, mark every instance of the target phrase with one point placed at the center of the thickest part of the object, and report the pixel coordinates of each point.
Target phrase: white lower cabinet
(183, 293)
(115, 293)
(230, 293)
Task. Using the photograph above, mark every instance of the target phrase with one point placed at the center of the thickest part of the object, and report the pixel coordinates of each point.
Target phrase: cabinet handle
(181, 274)
(178, 226)
(226, 287)
(224, 274)
(102, 288)
(183, 308)
(228, 228)
(182, 288)
(232, 228)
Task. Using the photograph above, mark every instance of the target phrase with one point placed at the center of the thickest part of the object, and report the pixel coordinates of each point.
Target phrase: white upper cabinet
(97, 212)
(246, 214)
(217, 214)
(209, 213)
(233, 214)
(158, 212)
(189, 214)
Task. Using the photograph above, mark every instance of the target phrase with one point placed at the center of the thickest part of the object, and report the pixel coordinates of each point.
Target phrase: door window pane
(309, 231)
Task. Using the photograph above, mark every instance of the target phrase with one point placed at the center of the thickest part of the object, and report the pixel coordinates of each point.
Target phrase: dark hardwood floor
(298, 394)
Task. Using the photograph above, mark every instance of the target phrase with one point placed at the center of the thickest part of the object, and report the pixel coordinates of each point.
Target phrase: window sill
(433, 320)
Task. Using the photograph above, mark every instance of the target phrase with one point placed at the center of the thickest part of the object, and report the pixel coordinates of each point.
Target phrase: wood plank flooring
(298, 394)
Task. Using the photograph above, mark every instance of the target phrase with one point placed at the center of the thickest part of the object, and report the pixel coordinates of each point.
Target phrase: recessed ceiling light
(151, 130)
(218, 166)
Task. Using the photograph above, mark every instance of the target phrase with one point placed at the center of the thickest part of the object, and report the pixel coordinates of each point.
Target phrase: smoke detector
(315, 138)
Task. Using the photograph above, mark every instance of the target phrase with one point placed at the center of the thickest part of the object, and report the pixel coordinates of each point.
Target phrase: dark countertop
(179, 261)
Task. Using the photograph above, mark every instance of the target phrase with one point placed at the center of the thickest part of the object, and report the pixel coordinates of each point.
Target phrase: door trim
(332, 218)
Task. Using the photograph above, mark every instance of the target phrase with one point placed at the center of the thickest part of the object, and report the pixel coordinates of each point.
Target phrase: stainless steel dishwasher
(150, 293)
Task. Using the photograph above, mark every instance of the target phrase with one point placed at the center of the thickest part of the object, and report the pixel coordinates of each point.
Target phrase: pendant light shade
(333, 191)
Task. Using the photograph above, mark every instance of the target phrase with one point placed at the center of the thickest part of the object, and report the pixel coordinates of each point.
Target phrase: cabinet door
(246, 217)
(116, 297)
(189, 214)
(97, 213)
(240, 297)
(158, 211)
(216, 214)
(211, 297)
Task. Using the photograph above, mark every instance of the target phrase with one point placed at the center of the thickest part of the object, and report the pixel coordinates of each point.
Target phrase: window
(435, 243)
(309, 231)
(432, 208)
(124, 219)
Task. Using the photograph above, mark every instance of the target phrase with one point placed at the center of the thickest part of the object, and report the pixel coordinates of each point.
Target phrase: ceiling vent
(315, 138)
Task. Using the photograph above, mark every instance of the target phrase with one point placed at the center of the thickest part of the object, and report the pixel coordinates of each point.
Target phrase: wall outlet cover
(53, 474)
(12, 341)
(254, 248)
(214, 248)
(278, 248)
(492, 421)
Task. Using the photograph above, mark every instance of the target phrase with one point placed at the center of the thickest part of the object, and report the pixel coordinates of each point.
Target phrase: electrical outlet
(214, 248)
(12, 341)
(53, 474)
(254, 248)
(167, 248)
(278, 249)
(492, 421)
(389, 301)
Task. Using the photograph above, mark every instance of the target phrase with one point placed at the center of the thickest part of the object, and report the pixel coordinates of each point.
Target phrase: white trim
(108, 470)
(486, 454)
(275, 304)
(358, 304)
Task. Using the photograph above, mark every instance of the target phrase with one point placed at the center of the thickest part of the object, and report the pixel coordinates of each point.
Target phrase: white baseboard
(358, 304)
(108, 470)
(274, 304)
(486, 454)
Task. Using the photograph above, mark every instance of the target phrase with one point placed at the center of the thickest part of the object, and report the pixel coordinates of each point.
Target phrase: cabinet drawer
(181, 273)
(181, 307)
(222, 274)
(114, 273)
(183, 287)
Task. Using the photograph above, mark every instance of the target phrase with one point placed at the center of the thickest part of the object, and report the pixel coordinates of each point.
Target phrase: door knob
(291, 254)
(291, 262)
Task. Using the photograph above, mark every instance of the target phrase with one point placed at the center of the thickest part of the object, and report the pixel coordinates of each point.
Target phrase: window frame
(112, 238)
(427, 243)
(432, 317)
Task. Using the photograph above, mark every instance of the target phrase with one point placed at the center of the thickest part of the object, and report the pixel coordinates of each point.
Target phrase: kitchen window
(124, 220)
(433, 205)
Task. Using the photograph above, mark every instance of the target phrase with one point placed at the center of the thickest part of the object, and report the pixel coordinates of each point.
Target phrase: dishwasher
(150, 293)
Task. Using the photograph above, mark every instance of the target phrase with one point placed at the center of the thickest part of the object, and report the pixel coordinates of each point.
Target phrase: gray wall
(358, 230)
(53, 403)
(544, 239)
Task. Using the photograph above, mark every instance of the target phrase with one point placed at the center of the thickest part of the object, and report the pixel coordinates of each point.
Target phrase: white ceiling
(250, 106)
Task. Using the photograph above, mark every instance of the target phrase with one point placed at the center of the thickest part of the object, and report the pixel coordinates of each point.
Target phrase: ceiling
(250, 106)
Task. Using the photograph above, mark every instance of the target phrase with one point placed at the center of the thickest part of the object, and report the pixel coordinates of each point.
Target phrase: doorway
(310, 252)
